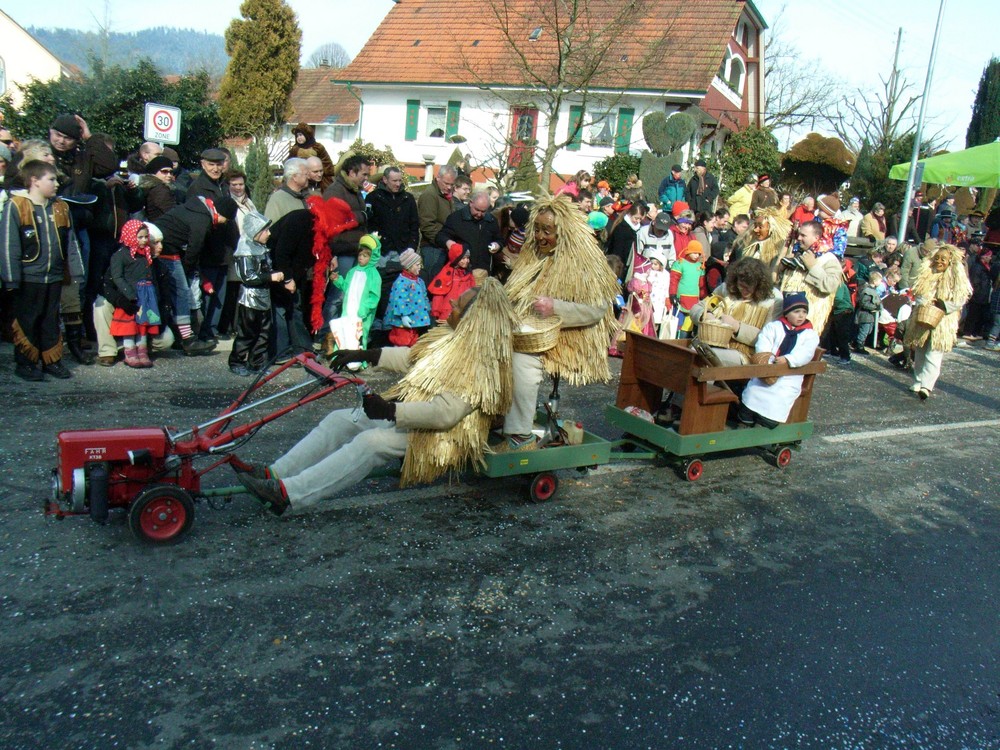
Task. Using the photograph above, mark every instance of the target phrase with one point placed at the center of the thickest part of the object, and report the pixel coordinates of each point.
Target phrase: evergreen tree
(263, 49)
(258, 170)
(751, 151)
(984, 127)
(112, 99)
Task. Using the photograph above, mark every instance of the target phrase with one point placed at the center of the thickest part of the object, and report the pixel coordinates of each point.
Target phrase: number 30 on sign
(162, 124)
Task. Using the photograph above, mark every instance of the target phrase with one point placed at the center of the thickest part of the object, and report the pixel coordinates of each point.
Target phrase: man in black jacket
(291, 244)
(186, 229)
(475, 228)
(209, 294)
(344, 246)
(393, 213)
(702, 190)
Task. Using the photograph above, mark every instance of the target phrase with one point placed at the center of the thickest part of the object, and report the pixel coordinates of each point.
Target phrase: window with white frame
(601, 130)
(3, 77)
(736, 72)
(437, 122)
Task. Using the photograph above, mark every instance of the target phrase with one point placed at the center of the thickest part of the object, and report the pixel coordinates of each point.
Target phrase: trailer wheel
(161, 514)
(544, 487)
(783, 457)
(693, 470)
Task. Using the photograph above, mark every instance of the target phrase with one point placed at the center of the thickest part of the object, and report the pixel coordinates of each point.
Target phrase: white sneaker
(915, 387)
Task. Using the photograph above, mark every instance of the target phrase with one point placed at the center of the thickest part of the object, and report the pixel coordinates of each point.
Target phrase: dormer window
(535, 35)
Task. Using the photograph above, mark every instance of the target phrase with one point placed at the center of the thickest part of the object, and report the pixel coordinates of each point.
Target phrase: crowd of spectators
(300, 244)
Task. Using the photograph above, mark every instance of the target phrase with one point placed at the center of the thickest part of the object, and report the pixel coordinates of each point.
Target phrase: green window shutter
(575, 127)
(623, 137)
(454, 115)
(412, 116)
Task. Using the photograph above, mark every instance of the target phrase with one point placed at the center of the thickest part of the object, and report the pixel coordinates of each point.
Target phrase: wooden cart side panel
(649, 367)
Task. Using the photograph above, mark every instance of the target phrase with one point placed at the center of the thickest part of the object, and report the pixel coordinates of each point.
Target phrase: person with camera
(476, 229)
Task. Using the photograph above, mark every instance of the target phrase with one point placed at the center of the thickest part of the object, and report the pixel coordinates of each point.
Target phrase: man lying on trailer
(436, 418)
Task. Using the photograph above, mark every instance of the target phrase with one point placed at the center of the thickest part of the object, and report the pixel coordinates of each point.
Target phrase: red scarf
(129, 238)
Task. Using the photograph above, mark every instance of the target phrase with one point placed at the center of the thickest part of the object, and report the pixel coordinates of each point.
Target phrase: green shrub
(679, 129)
(654, 169)
(616, 169)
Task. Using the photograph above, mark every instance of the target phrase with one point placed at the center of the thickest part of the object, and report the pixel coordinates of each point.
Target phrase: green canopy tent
(978, 166)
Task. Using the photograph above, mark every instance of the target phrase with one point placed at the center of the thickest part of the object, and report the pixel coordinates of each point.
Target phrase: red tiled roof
(460, 42)
(316, 100)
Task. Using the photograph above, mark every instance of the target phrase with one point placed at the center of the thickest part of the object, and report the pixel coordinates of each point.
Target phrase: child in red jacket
(451, 282)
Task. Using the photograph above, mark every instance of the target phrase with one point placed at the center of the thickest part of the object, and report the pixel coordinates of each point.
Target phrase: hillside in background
(173, 51)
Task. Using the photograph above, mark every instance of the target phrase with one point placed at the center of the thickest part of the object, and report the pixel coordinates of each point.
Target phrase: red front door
(523, 129)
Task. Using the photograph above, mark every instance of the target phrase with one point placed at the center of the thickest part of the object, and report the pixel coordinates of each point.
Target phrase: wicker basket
(537, 335)
(714, 332)
(764, 358)
(929, 315)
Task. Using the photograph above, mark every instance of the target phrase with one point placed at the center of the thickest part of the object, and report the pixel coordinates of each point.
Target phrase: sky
(854, 39)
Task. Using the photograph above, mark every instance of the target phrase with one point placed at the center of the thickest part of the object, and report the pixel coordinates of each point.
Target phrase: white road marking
(882, 434)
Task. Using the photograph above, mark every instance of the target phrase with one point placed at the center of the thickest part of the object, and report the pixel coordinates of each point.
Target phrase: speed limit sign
(162, 124)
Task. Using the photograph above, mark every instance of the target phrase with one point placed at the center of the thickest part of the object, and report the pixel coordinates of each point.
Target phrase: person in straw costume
(746, 301)
(436, 418)
(943, 281)
(766, 237)
(559, 271)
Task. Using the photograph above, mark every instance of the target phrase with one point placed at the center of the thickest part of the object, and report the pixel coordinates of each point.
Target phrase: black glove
(344, 357)
(130, 306)
(377, 407)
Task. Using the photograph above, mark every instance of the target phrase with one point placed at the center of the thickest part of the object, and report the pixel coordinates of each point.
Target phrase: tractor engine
(101, 469)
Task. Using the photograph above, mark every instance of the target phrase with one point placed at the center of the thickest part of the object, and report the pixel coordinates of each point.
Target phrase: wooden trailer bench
(651, 366)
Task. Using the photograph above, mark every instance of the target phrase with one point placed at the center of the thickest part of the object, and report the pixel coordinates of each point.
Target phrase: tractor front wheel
(161, 514)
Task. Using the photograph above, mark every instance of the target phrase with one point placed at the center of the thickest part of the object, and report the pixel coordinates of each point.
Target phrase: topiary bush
(680, 127)
(654, 131)
(654, 169)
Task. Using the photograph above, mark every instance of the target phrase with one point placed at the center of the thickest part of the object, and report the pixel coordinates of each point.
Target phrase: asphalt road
(844, 602)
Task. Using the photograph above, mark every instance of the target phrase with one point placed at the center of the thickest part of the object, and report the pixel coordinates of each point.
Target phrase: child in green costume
(362, 288)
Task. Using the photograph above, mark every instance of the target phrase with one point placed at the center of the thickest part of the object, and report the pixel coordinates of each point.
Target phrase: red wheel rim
(694, 470)
(162, 518)
(784, 457)
(545, 487)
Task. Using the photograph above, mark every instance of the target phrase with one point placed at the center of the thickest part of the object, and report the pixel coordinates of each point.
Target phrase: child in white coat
(788, 340)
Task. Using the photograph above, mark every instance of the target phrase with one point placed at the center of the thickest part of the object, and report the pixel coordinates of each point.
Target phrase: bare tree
(556, 53)
(331, 54)
(797, 91)
(883, 117)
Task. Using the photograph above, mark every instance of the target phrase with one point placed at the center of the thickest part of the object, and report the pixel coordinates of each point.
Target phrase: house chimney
(324, 63)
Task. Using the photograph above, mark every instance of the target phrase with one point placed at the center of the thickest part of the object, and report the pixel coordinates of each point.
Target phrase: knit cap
(409, 258)
(597, 220)
(794, 301)
(693, 247)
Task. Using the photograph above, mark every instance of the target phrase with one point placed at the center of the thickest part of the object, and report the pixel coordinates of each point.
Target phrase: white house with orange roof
(439, 72)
